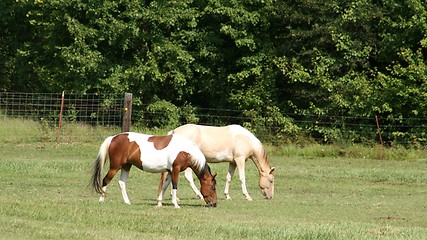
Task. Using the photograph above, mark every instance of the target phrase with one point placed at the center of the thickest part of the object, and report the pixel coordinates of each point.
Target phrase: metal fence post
(60, 118)
(127, 107)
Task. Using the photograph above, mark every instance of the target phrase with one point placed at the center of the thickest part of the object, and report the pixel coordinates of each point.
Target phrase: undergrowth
(27, 131)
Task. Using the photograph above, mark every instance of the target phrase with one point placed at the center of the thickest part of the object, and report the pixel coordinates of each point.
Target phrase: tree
(351, 58)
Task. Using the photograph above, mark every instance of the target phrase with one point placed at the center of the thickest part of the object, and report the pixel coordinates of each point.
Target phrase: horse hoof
(227, 197)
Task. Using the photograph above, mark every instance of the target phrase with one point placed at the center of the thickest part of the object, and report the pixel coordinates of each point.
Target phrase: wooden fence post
(127, 108)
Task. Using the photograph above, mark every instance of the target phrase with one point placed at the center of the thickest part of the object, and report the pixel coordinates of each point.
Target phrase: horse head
(266, 183)
(208, 187)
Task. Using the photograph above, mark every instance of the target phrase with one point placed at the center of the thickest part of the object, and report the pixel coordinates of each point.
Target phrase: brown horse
(155, 154)
(233, 144)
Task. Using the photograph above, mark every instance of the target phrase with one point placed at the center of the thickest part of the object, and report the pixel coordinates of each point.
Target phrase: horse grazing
(233, 144)
(155, 154)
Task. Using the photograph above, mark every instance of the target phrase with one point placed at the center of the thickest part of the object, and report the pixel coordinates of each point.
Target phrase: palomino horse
(233, 144)
(155, 154)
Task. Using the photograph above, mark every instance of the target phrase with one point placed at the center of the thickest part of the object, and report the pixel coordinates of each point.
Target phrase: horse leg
(175, 176)
(230, 173)
(110, 174)
(241, 168)
(162, 192)
(102, 197)
(162, 180)
(122, 182)
(188, 173)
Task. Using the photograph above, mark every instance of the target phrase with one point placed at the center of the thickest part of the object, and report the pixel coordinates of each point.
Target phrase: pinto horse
(155, 154)
(233, 144)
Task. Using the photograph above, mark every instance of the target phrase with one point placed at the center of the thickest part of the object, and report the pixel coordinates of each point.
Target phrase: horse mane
(198, 161)
(203, 170)
(259, 153)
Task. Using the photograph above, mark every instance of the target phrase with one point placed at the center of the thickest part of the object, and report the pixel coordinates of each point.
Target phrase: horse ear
(272, 170)
(214, 175)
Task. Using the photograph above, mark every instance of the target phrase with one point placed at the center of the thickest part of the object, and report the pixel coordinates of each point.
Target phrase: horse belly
(217, 157)
(155, 164)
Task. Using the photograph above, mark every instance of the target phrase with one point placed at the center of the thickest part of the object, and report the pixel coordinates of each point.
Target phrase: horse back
(219, 143)
(147, 152)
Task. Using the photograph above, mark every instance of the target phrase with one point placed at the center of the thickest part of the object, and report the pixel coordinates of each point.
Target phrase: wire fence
(86, 116)
(94, 109)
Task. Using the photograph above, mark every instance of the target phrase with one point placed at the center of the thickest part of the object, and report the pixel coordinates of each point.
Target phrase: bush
(162, 114)
(279, 128)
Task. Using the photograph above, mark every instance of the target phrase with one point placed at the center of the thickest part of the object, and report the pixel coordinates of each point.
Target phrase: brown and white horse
(233, 144)
(155, 154)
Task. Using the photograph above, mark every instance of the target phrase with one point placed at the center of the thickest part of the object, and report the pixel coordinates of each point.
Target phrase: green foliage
(284, 130)
(162, 114)
(351, 58)
(188, 114)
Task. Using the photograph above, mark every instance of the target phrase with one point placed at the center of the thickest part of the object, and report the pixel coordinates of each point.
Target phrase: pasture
(45, 195)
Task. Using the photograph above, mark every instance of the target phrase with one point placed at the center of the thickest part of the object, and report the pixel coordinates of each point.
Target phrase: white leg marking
(102, 197)
(122, 185)
(174, 201)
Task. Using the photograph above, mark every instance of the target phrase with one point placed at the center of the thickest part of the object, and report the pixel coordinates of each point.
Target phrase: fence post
(379, 134)
(60, 119)
(127, 108)
(379, 131)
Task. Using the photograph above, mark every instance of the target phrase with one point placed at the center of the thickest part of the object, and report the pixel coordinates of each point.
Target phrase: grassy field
(45, 195)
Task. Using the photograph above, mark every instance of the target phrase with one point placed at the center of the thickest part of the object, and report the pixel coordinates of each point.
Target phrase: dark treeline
(322, 57)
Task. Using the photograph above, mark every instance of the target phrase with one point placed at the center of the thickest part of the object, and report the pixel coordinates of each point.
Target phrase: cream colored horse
(233, 144)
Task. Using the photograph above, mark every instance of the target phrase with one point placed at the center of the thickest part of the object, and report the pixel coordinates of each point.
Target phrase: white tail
(98, 166)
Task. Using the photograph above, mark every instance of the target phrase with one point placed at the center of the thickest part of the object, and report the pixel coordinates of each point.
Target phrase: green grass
(45, 195)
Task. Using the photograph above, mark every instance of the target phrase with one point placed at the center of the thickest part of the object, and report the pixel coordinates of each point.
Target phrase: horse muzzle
(211, 204)
(267, 194)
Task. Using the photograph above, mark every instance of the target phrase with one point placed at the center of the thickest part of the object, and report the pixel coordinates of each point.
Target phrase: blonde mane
(260, 156)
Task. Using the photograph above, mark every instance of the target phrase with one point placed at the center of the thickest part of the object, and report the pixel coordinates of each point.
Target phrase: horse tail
(98, 166)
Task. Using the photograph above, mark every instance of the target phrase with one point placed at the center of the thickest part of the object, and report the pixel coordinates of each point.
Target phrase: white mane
(197, 157)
